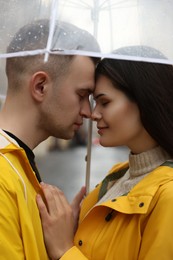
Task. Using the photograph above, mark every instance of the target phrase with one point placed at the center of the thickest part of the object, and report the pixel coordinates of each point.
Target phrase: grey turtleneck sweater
(139, 166)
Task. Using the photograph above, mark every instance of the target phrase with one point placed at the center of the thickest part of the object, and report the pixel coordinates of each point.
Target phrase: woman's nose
(95, 115)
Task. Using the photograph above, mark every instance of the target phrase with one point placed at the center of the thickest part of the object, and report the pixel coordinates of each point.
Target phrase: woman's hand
(59, 219)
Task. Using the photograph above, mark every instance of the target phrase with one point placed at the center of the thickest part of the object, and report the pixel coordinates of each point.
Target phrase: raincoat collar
(7, 143)
(139, 198)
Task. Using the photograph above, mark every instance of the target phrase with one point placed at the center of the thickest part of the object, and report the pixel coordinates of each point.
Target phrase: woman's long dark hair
(150, 86)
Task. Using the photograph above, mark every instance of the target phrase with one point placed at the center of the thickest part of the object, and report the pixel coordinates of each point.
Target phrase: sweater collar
(145, 162)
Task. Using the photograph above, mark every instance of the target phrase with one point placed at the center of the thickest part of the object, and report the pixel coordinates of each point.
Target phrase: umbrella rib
(103, 3)
(115, 5)
(51, 29)
(81, 4)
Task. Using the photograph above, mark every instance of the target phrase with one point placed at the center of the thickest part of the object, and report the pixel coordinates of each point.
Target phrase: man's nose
(86, 109)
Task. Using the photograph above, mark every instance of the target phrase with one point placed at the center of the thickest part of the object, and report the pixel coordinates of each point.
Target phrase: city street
(66, 169)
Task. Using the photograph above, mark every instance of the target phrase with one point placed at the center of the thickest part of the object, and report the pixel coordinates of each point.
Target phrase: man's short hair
(34, 36)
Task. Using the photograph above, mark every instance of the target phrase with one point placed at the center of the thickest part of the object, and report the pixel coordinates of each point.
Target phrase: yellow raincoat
(136, 226)
(20, 226)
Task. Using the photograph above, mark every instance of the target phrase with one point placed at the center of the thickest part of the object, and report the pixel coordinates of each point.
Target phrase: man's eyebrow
(98, 96)
(90, 91)
(86, 90)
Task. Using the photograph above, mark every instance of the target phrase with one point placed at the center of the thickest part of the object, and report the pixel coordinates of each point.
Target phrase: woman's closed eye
(103, 102)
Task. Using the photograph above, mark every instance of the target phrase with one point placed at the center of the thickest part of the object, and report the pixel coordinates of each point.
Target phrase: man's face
(68, 101)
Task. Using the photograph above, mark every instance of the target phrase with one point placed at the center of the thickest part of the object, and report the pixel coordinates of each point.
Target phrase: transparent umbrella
(114, 23)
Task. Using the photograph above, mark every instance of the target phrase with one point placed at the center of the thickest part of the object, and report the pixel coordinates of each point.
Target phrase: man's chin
(66, 135)
(69, 136)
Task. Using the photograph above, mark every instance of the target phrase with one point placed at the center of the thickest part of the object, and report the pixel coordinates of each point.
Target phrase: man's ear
(39, 85)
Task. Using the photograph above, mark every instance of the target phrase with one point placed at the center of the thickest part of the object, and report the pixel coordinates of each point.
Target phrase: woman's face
(118, 119)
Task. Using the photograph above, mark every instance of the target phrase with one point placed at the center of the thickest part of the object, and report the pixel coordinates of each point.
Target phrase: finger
(42, 207)
(51, 199)
(56, 200)
(78, 198)
(62, 198)
(76, 206)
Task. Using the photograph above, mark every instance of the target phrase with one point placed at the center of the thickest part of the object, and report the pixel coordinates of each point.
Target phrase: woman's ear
(39, 85)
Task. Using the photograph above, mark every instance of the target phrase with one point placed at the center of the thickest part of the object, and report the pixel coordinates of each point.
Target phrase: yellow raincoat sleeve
(73, 254)
(157, 241)
(10, 238)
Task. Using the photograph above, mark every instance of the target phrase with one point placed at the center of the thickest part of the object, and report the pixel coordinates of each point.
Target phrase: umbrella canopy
(113, 23)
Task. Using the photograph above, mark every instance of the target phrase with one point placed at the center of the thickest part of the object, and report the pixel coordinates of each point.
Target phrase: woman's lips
(101, 130)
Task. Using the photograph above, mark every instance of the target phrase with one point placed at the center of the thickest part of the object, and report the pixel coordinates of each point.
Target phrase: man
(43, 99)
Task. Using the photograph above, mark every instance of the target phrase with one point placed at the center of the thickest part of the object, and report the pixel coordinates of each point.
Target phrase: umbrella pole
(2, 97)
(88, 157)
(89, 143)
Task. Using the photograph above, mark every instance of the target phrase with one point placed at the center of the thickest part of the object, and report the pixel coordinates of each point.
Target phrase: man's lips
(78, 125)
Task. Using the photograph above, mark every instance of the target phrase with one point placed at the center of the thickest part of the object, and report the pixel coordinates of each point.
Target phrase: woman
(129, 215)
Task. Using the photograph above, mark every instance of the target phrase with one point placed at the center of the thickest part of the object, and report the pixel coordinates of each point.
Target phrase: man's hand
(59, 219)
